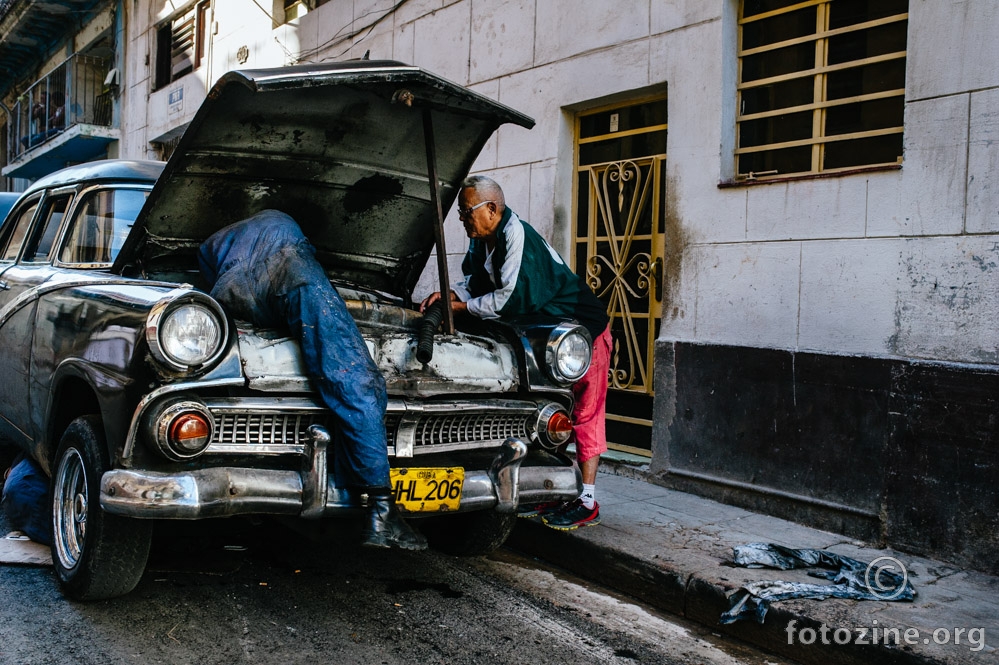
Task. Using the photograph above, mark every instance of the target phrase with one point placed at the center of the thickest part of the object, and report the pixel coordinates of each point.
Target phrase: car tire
(96, 555)
(469, 534)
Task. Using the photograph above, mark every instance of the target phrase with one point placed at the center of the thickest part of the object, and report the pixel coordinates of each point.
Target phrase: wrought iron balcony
(60, 119)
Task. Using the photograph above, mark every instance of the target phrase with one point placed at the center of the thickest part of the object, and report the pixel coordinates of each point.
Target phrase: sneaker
(535, 509)
(572, 516)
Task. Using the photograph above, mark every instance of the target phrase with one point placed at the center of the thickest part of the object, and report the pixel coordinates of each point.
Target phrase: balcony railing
(71, 94)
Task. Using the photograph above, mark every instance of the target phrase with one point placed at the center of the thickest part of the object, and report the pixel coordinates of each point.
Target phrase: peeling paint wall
(947, 299)
(674, 248)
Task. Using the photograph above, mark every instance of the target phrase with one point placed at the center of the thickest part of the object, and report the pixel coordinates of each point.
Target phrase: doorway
(618, 248)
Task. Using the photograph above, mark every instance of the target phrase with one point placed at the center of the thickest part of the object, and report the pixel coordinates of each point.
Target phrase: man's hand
(456, 305)
(430, 300)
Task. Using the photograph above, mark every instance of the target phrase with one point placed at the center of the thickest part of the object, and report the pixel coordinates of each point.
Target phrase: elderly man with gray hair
(508, 271)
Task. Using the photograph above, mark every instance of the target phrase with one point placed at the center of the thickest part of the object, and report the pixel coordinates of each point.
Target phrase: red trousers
(589, 412)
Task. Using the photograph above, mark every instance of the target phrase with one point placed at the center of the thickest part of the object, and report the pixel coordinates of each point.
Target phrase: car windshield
(100, 225)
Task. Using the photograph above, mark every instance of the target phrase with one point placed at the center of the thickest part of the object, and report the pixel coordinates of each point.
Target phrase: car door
(27, 264)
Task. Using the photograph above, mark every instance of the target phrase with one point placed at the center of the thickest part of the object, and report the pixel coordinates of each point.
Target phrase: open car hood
(340, 147)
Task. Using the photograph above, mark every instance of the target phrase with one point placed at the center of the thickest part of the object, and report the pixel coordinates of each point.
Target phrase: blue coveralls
(263, 270)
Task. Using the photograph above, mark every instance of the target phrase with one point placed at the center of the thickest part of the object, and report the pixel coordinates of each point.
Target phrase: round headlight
(185, 333)
(568, 353)
(190, 334)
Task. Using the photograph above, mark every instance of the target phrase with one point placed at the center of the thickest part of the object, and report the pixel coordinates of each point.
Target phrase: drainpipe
(210, 46)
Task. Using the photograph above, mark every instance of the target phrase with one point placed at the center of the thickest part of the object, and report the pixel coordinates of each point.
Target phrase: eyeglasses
(465, 212)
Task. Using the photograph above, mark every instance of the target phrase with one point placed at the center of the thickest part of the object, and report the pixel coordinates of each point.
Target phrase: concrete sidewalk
(674, 551)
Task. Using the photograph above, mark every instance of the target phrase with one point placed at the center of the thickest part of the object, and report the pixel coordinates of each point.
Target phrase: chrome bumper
(226, 491)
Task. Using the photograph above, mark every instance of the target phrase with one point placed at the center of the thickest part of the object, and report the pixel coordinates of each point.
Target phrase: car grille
(254, 429)
(249, 428)
(446, 430)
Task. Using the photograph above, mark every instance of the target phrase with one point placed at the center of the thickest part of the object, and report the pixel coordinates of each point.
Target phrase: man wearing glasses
(511, 271)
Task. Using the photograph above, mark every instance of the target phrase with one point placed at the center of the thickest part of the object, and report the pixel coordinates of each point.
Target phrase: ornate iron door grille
(618, 247)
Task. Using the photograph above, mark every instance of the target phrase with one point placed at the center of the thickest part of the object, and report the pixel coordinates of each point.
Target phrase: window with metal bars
(180, 44)
(821, 86)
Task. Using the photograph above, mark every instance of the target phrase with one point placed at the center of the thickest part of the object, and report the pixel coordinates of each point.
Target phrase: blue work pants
(347, 380)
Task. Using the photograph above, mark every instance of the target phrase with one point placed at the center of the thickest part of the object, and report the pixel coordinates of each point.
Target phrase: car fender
(77, 388)
(89, 355)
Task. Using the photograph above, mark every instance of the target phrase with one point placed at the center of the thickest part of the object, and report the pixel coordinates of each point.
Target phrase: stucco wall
(898, 263)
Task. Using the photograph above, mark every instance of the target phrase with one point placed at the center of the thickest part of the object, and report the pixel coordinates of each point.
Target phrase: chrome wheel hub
(71, 503)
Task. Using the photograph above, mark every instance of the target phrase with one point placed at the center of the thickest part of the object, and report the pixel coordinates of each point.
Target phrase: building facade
(789, 206)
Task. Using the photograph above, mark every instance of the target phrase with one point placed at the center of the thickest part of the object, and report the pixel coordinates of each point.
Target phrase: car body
(144, 399)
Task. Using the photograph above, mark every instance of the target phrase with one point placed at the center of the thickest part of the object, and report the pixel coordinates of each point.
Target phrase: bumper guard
(310, 493)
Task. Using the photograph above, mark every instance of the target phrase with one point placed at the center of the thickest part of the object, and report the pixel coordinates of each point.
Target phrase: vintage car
(145, 400)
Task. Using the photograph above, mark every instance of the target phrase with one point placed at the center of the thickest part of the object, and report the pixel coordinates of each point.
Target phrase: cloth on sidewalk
(17, 548)
(853, 579)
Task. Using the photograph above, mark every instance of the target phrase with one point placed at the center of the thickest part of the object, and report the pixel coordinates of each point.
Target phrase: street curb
(660, 587)
(685, 593)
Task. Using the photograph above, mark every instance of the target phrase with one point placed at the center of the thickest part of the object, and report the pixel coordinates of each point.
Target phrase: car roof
(121, 170)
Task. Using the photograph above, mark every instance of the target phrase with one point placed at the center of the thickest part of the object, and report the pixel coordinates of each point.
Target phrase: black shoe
(573, 515)
(384, 527)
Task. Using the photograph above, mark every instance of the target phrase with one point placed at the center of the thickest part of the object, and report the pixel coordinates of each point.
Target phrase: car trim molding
(36, 292)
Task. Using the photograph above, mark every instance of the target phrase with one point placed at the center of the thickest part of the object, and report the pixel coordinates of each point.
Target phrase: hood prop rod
(435, 198)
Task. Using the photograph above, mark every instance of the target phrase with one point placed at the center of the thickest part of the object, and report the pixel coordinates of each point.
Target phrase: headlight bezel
(160, 315)
(557, 339)
(541, 427)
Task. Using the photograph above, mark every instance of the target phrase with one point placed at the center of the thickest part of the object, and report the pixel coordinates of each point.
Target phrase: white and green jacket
(523, 276)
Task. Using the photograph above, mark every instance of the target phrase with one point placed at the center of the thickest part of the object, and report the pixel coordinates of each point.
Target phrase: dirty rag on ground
(850, 578)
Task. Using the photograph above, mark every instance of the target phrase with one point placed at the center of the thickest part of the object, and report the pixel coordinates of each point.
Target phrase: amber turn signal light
(190, 432)
(559, 427)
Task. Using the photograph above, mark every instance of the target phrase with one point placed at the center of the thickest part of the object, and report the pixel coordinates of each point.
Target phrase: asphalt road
(231, 592)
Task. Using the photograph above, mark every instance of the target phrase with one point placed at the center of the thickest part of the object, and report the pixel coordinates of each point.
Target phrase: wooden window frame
(196, 16)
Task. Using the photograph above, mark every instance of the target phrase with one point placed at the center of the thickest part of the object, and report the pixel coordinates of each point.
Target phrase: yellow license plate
(427, 490)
